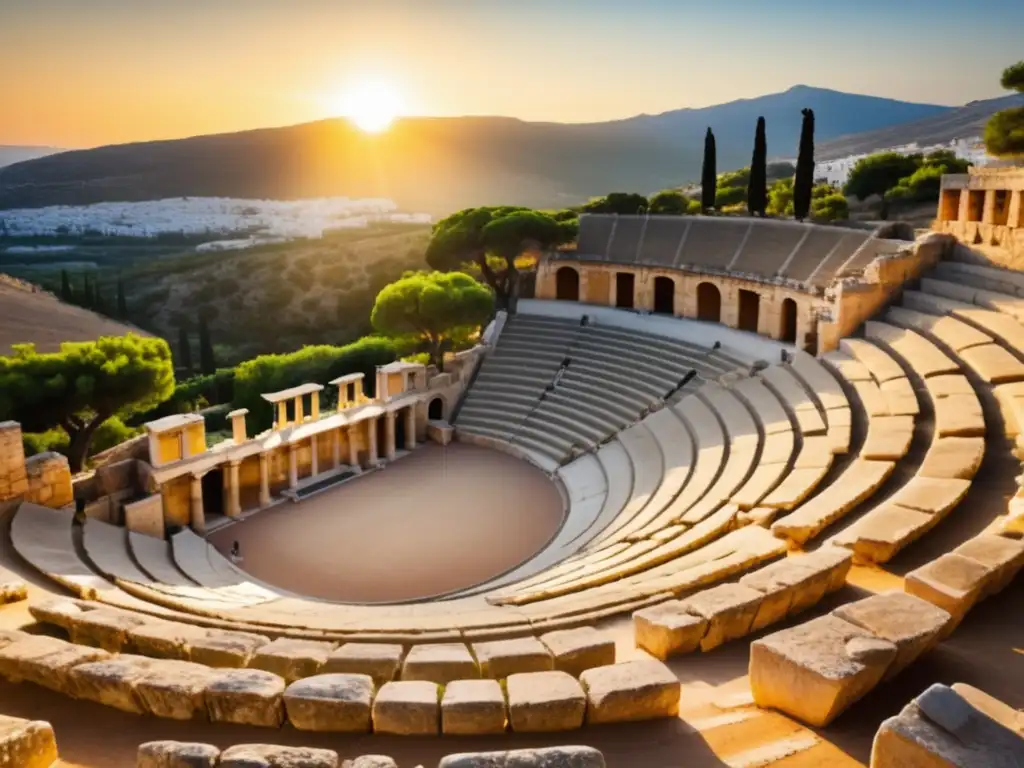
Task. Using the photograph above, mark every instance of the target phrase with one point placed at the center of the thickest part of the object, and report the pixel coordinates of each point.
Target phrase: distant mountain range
(10, 155)
(439, 165)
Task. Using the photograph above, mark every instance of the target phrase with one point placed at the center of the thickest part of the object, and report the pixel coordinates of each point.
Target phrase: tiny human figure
(236, 552)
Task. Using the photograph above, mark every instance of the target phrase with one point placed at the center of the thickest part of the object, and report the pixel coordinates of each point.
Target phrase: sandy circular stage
(437, 520)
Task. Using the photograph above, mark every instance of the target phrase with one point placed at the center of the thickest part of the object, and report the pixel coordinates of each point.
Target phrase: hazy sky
(80, 73)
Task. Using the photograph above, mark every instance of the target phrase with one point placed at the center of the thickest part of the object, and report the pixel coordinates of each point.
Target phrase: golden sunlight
(371, 105)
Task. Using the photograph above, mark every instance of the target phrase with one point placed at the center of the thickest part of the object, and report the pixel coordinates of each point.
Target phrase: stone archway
(625, 286)
(664, 295)
(567, 284)
(709, 302)
(787, 321)
(435, 411)
(749, 309)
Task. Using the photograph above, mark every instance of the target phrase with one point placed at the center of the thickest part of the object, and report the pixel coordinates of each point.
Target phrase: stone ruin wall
(43, 479)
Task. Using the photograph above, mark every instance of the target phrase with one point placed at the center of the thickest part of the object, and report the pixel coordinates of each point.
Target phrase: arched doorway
(213, 492)
(624, 286)
(664, 295)
(750, 307)
(400, 430)
(709, 302)
(435, 411)
(567, 284)
(787, 324)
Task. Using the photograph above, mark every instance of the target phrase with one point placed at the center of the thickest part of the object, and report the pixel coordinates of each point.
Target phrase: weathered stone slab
(225, 648)
(26, 743)
(381, 661)
(473, 707)
(888, 438)
(407, 708)
(176, 754)
(951, 384)
(884, 531)
(1003, 555)
(575, 650)
(959, 416)
(13, 592)
(933, 495)
(333, 702)
(1002, 713)
(8, 636)
(793, 584)
(545, 757)
(45, 661)
(952, 582)
(111, 682)
(993, 364)
(871, 399)
(105, 628)
(816, 670)
(175, 689)
(165, 639)
(440, 663)
(370, 761)
(900, 397)
(292, 658)
(59, 612)
(879, 362)
(796, 486)
(912, 624)
(246, 697)
(545, 701)
(729, 610)
(631, 690)
(272, 756)
(501, 658)
(953, 457)
(668, 629)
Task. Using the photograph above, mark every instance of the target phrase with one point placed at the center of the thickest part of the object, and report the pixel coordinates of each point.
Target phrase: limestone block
(246, 697)
(59, 612)
(110, 682)
(993, 364)
(815, 670)
(631, 690)
(501, 658)
(888, 438)
(370, 761)
(949, 384)
(796, 486)
(953, 457)
(26, 743)
(473, 707)
(381, 661)
(8, 636)
(105, 628)
(729, 610)
(1002, 713)
(941, 729)
(879, 535)
(45, 661)
(547, 757)
(1003, 555)
(13, 592)
(871, 398)
(933, 495)
(952, 582)
(913, 625)
(575, 650)
(165, 639)
(900, 397)
(545, 701)
(225, 648)
(272, 756)
(407, 708)
(175, 689)
(291, 658)
(776, 593)
(332, 702)
(440, 663)
(959, 416)
(176, 754)
(668, 629)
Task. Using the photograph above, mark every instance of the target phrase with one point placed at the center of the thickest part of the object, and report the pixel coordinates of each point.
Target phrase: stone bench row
(350, 703)
(571, 651)
(26, 743)
(727, 612)
(178, 754)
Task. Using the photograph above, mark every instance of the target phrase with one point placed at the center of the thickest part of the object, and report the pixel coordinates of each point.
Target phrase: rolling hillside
(442, 164)
(16, 154)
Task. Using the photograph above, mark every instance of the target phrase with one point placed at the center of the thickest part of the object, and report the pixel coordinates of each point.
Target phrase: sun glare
(371, 105)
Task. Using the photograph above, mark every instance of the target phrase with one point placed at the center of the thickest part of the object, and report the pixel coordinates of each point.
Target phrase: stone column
(282, 414)
(293, 466)
(389, 435)
(238, 433)
(988, 211)
(336, 448)
(353, 450)
(314, 406)
(1015, 213)
(196, 511)
(314, 460)
(371, 439)
(264, 480)
(234, 508)
(300, 410)
(964, 214)
(410, 428)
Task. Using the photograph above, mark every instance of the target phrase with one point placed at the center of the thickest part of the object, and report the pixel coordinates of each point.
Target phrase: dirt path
(437, 520)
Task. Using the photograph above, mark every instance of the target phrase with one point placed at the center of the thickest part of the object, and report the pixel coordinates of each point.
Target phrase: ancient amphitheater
(790, 524)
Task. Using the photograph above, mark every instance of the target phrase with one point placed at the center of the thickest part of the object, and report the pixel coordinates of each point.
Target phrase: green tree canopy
(877, 174)
(1004, 133)
(622, 203)
(921, 186)
(432, 307)
(780, 198)
(829, 207)
(670, 202)
(83, 385)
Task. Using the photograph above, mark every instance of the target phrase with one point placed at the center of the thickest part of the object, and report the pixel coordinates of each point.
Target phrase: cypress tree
(122, 303)
(803, 180)
(708, 176)
(66, 294)
(757, 189)
(184, 350)
(207, 362)
(88, 295)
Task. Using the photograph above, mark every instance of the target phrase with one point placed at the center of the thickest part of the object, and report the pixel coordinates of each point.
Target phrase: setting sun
(371, 105)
